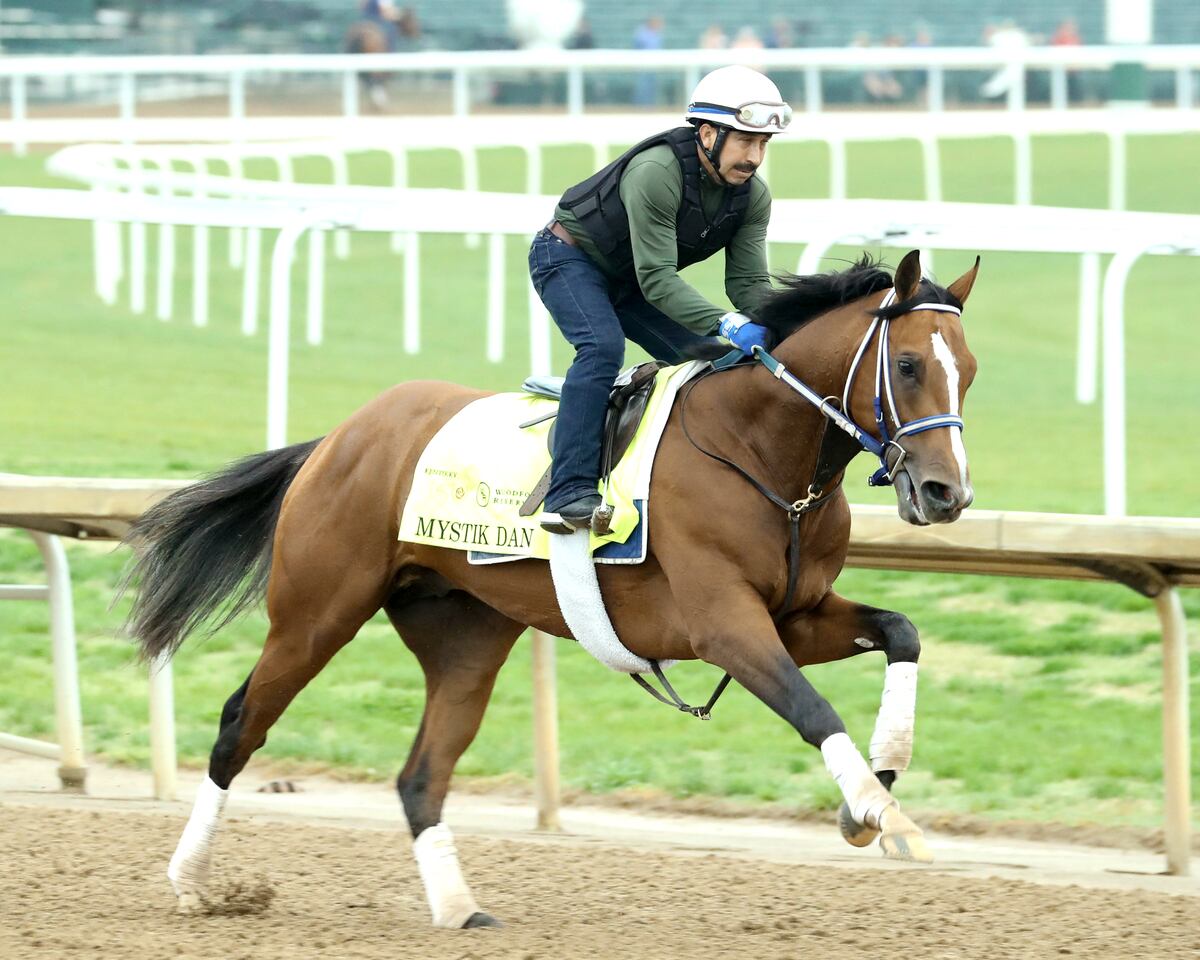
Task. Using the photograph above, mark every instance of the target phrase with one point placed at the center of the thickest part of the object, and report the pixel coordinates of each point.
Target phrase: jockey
(607, 266)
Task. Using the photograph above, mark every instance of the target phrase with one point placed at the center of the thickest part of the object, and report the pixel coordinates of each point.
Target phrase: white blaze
(945, 357)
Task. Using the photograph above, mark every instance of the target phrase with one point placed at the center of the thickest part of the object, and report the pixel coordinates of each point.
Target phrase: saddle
(626, 405)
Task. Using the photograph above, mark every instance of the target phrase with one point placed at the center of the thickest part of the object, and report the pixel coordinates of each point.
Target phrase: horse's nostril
(939, 495)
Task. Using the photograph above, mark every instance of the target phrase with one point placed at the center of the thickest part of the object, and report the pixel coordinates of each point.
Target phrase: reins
(817, 496)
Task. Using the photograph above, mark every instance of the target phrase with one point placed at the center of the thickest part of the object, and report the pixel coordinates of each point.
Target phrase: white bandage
(188, 869)
(864, 794)
(449, 899)
(892, 742)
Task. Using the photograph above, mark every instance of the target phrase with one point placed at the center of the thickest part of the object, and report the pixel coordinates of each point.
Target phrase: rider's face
(741, 155)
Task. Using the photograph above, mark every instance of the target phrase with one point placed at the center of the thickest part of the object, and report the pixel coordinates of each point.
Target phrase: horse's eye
(906, 367)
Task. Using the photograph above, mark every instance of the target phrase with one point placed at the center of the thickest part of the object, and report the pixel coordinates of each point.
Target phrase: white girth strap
(188, 869)
(892, 741)
(450, 900)
(864, 794)
(582, 606)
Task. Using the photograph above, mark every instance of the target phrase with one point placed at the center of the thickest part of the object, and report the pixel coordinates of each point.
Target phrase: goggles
(753, 114)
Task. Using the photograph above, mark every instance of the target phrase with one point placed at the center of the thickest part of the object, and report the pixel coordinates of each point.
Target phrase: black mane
(801, 299)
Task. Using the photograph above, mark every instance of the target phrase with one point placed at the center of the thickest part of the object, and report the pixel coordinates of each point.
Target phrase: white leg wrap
(449, 899)
(188, 869)
(892, 742)
(864, 794)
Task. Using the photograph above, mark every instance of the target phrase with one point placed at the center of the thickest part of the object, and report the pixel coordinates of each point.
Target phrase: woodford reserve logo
(474, 534)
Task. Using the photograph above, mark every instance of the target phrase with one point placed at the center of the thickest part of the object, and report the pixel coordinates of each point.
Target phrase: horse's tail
(206, 545)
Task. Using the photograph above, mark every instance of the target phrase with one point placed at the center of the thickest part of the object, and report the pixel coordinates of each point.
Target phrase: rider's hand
(744, 333)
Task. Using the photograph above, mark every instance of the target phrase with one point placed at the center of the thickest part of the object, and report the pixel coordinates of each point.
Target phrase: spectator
(747, 39)
(582, 38)
(1067, 35)
(648, 36)
(781, 36)
(713, 38)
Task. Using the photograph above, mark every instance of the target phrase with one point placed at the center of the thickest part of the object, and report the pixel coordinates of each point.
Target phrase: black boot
(576, 515)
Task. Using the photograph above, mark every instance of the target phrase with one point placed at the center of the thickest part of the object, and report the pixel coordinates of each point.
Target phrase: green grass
(1038, 699)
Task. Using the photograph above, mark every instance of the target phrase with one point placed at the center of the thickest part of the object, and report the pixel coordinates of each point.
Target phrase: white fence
(297, 209)
(468, 70)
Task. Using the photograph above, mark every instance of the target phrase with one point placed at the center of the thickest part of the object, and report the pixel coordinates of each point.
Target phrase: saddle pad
(478, 469)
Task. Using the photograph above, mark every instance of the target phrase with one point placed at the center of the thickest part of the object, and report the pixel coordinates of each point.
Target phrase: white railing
(466, 70)
(299, 209)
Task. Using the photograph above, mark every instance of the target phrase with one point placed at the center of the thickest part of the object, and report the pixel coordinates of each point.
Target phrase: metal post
(19, 93)
(1016, 89)
(1113, 354)
(350, 94)
(1185, 88)
(1116, 170)
(1059, 99)
(1176, 747)
(399, 180)
(72, 770)
(496, 297)
(162, 729)
(932, 158)
(341, 178)
(837, 169)
(253, 256)
(137, 242)
(1089, 328)
(279, 334)
(237, 98)
(812, 88)
(128, 96)
(1023, 168)
(936, 88)
(412, 294)
(200, 255)
(165, 303)
(545, 733)
(575, 90)
(462, 93)
(316, 287)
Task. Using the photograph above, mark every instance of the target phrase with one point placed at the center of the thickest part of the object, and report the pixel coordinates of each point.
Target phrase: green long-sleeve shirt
(652, 190)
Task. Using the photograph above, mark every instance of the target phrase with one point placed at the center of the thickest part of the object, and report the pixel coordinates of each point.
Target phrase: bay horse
(729, 578)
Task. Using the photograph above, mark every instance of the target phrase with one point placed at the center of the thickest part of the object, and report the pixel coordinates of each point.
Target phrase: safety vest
(596, 202)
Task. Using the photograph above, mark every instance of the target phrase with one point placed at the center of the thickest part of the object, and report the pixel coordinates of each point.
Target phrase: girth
(626, 406)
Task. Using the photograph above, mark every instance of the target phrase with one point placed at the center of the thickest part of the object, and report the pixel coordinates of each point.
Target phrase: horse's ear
(908, 275)
(961, 288)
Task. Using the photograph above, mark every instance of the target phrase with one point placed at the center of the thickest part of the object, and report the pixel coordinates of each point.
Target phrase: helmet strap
(713, 153)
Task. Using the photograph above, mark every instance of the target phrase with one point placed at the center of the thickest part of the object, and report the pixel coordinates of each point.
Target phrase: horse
(730, 578)
(371, 36)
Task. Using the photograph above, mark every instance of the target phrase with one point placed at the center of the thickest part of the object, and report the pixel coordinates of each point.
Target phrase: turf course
(1038, 700)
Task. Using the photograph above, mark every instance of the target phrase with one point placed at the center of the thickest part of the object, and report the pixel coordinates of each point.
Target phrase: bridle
(879, 330)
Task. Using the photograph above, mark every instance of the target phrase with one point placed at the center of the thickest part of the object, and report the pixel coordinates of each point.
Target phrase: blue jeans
(596, 319)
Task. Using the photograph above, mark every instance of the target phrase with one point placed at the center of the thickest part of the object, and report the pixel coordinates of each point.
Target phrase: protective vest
(596, 202)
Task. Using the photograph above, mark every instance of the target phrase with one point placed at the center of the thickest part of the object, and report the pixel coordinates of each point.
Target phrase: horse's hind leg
(313, 615)
(461, 645)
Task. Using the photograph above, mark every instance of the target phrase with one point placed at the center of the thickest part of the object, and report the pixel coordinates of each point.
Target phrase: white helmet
(740, 98)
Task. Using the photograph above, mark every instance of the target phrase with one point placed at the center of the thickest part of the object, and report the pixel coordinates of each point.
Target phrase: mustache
(746, 167)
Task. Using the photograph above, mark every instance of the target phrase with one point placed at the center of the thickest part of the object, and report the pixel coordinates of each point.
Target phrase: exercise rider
(607, 266)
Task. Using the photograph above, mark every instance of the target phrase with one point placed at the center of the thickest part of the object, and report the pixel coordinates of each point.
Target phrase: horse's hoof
(854, 833)
(481, 919)
(902, 839)
(189, 903)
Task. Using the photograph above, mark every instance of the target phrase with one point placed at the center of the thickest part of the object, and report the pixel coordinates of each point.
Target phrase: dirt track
(86, 883)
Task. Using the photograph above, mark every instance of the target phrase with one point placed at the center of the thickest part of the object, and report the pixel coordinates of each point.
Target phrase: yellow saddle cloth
(481, 466)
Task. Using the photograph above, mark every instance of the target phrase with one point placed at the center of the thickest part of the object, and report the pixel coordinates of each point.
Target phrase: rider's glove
(744, 333)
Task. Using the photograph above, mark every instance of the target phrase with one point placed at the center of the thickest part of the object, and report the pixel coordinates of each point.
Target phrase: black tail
(206, 545)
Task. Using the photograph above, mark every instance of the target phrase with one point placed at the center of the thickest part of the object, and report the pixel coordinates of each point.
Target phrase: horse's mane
(801, 299)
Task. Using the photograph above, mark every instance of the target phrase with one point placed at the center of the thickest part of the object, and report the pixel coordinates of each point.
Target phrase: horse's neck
(775, 425)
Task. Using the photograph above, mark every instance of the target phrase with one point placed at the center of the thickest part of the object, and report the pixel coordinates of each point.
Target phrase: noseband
(878, 330)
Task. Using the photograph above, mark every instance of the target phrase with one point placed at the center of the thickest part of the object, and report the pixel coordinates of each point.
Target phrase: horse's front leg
(745, 642)
(838, 628)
